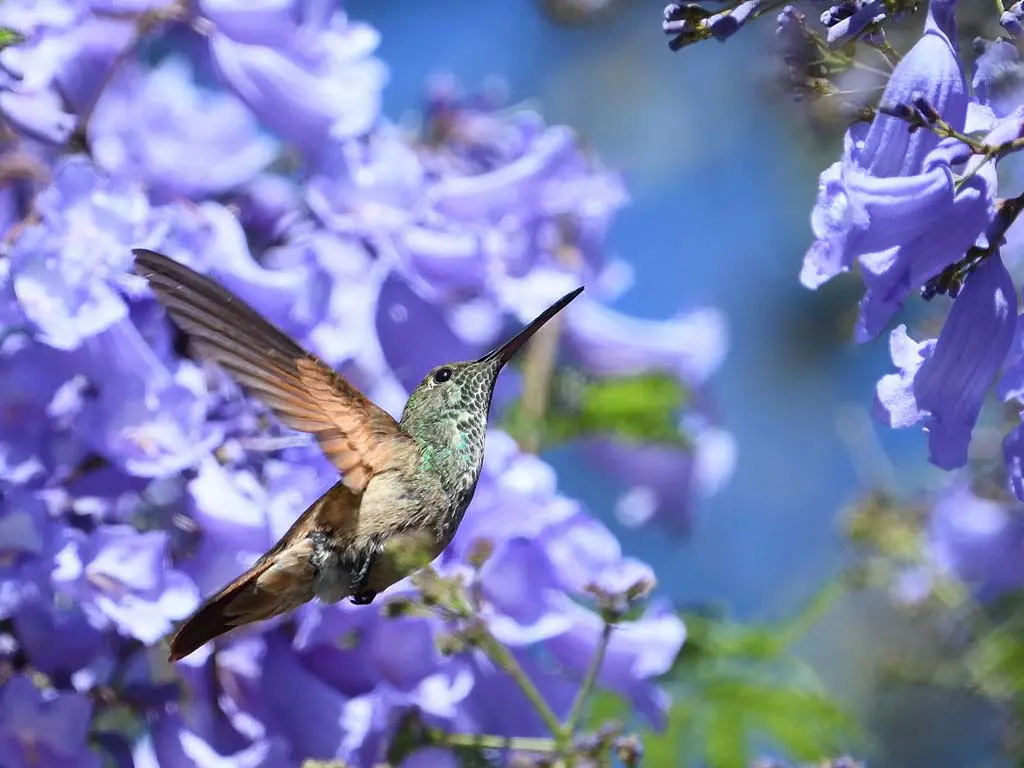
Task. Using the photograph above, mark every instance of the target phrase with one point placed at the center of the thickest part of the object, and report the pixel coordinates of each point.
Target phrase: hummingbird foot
(360, 580)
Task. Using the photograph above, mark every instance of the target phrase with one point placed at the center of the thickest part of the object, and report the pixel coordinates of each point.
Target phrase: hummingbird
(405, 485)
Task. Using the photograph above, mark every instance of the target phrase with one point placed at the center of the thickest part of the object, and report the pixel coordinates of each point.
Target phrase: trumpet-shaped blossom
(891, 203)
(136, 480)
(945, 381)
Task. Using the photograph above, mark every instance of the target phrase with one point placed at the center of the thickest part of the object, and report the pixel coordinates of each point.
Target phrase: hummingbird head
(466, 387)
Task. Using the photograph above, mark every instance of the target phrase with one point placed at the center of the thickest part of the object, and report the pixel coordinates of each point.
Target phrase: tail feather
(277, 584)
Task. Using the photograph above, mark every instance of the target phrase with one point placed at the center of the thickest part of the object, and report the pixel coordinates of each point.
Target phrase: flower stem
(484, 741)
(504, 658)
(589, 679)
(944, 130)
(538, 368)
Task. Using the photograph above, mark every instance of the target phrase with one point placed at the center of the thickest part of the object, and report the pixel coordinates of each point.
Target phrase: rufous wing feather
(277, 583)
(304, 392)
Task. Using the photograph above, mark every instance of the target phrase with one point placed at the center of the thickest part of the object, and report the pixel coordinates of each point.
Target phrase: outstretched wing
(304, 392)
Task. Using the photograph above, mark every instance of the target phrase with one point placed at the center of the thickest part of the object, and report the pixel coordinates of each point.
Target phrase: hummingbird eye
(443, 375)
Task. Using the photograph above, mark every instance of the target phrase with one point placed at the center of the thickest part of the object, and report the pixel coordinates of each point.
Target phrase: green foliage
(642, 409)
(995, 657)
(732, 684)
(10, 37)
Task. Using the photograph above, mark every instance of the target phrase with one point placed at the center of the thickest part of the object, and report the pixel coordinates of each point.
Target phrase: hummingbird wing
(305, 393)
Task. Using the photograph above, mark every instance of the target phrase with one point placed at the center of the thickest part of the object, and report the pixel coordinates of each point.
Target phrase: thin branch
(589, 679)
(538, 368)
(481, 741)
(924, 115)
(504, 658)
(539, 361)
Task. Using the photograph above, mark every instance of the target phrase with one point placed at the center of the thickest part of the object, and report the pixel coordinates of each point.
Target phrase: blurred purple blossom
(44, 728)
(690, 346)
(160, 128)
(970, 538)
(122, 577)
(69, 271)
(134, 480)
(664, 480)
(309, 82)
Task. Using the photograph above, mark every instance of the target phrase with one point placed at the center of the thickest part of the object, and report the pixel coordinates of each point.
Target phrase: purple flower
(69, 270)
(890, 203)
(122, 578)
(58, 71)
(44, 728)
(398, 660)
(998, 80)
(1012, 18)
(27, 538)
(35, 442)
(268, 205)
(142, 417)
(328, 724)
(415, 334)
(663, 479)
(690, 346)
(160, 128)
(173, 744)
(848, 19)
(508, 198)
(56, 635)
(541, 556)
(977, 540)
(946, 381)
(309, 85)
(639, 651)
(682, 26)
(430, 757)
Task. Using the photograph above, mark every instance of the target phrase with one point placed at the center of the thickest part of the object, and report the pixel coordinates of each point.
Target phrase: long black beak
(505, 352)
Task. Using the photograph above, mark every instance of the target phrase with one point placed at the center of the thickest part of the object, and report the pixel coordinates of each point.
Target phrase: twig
(501, 656)
(589, 679)
(923, 115)
(951, 280)
(890, 54)
(480, 741)
(539, 367)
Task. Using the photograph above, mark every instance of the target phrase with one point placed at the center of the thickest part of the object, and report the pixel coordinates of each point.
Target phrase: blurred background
(722, 166)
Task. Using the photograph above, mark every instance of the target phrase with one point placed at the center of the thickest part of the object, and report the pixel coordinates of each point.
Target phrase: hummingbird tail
(273, 586)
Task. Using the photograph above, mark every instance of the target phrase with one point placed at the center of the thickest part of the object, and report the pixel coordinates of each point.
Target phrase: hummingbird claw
(361, 578)
(363, 598)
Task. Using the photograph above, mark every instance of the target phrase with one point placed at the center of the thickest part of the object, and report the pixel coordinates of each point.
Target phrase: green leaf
(639, 409)
(725, 740)
(605, 706)
(731, 683)
(10, 37)
(666, 747)
(996, 661)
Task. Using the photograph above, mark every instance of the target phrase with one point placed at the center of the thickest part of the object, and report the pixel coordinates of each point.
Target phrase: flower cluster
(913, 204)
(134, 479)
